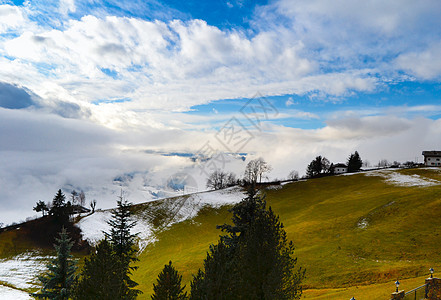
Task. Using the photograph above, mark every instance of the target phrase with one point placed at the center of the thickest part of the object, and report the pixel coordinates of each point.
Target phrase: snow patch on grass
(219, 198)
(178, 209)
(195, 202)
(13, 294)
(94, 226)
(363, 223)
(396, 178)
(21, 271)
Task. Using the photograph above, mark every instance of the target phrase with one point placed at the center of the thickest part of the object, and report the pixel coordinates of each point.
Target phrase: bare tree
(217, 180)
(220, 180)
(383, 163)
(93, 205)
(293, 175)
(255, 169)
(74, 197)
(231, 179)
(82, 198)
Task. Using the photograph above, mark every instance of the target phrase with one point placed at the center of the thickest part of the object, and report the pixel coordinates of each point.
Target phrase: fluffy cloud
(161, 65)
(312, 46)
(425, 64)
(112, 90)
(12, 18)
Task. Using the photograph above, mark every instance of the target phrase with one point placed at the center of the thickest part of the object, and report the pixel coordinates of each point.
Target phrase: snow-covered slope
(160, 214)
(7, 293)
(21, 272)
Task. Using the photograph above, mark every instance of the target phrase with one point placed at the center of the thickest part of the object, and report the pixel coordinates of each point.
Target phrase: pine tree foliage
(58, 282)
(168, 285)
(123, 246)
(60, 209)
(121, 224)
(254, 260)
(354, 162)
(266, 265)
(218, 278)
(98, 279)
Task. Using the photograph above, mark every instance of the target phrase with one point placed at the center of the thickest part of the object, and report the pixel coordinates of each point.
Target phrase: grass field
(355, 235)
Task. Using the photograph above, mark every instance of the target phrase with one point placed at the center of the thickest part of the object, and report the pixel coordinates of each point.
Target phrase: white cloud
(424, 64)
(66, 6)
(161, 65)
(11, 18)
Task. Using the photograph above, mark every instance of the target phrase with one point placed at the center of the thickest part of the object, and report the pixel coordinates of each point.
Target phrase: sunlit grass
(324, 217)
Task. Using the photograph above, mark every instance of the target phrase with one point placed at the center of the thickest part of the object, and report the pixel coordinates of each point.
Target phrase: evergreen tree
(60, 209)
(218, 279)
(168, 285)
(197, 286)
(354, 162)
(41, 206)
(58, 282)
(317, 166)
(254, 260)
(265, 261)
(98, 279)
(121, 223)
(123, 245)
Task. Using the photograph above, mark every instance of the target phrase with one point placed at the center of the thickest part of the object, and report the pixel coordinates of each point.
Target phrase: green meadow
(355, 235)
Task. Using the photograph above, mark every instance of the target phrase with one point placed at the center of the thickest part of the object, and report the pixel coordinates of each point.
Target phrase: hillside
(354, 234)
(352, 230)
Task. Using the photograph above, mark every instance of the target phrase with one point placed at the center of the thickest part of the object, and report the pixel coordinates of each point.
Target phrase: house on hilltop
(432, 158)
(340, 168)
(78, 209)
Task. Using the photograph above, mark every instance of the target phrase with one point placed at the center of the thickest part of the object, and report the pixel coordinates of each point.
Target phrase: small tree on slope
(168, 285)
(58, 282)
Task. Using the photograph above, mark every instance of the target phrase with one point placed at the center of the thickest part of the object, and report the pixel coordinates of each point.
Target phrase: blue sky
(104, 86)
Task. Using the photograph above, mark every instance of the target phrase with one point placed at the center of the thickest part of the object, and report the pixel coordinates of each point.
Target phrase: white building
(432, 158)
(340, 168)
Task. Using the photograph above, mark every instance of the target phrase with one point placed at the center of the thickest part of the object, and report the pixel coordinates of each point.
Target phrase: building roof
(79, 209)
(432, 153)
(340, 165)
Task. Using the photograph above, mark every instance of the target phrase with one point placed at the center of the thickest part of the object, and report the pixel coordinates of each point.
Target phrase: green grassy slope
(323, 217)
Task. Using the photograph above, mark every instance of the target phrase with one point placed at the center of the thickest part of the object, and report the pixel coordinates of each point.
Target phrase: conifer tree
(58, 282)
(168, 285)
(254, 260)
(60, 209)
(123, 246)
(98, 279)
(354, 162)
(121, 223)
